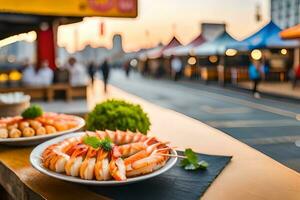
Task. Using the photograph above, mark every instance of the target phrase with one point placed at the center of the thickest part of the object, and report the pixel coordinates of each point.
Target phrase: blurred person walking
(176, 66)
(92, 71)
(127, 68)
(105, 68)
(296, 76)
(256, 74)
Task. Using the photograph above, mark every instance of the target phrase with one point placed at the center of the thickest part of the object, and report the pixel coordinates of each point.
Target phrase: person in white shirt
(78, 73)
(42, 77)
(176, 66)
(45, 75)
(28, 75)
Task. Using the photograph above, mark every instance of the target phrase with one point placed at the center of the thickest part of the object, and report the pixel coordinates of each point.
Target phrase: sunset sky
(159, 20)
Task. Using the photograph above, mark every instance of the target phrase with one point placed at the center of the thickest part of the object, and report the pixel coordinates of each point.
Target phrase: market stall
(190, 69)
(267, 45)
(211, 55)
(157, 63)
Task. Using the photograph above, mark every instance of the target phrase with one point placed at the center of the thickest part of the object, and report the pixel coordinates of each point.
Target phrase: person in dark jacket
(92, 71)
(105, 68)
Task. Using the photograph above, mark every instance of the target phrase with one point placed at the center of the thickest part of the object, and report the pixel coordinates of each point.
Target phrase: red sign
(106, 5)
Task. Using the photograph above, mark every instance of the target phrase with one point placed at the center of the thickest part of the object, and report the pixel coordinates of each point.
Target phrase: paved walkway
(283, 89)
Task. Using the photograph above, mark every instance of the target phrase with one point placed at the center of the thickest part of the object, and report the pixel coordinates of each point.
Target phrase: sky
(159, 20)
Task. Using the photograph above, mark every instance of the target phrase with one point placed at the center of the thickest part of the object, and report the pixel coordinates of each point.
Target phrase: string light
(213, 59)
(192, 60)
(256, 54)
(283, 51)
(231, 52)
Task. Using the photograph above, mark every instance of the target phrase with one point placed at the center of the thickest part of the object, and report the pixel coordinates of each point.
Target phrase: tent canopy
(266, 37)
(291, 33)
(158, 52)
(185, 50)
(215, 47)
(146, 53)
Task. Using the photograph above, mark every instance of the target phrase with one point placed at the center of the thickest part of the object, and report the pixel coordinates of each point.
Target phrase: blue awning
(215, 47)
(266, 37)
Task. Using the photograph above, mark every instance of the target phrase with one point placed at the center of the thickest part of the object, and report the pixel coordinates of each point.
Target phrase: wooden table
(250, 175)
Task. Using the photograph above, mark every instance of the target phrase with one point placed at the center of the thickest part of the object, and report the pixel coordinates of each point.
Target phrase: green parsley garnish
(95, 142)
(32, 112)
(191, 161)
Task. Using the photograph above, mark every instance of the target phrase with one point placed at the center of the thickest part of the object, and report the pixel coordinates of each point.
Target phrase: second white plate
(28, 141)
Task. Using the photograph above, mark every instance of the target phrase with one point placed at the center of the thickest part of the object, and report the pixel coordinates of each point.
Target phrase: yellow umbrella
(291, 33)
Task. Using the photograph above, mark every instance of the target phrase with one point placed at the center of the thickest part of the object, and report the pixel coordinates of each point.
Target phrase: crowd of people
(72, 72)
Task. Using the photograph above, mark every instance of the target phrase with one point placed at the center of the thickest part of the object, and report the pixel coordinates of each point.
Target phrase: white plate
(27, 141)
(35, 159)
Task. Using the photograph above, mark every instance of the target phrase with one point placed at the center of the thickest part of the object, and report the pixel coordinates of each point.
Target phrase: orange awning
(291, 33)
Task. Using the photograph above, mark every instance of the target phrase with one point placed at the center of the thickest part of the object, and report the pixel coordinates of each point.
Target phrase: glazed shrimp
(117, 169)
(132, 148)
(86, 170)
(140, 155)
(148, 164)
(73, 165)
(55, 157)
(102, 166)
(121, 137)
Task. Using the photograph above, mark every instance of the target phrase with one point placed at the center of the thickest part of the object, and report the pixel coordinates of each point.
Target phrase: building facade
(285, 13)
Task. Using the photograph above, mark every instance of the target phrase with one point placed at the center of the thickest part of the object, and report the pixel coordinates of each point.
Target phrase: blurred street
(268, 125)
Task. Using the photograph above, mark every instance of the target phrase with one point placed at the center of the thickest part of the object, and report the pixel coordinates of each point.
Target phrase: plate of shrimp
(120, 158)
(17, 131)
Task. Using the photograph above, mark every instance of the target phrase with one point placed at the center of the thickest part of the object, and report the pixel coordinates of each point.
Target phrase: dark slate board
(173, 184)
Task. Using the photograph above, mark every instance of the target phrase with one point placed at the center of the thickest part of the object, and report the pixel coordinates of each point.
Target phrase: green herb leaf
(92, 141)
(95, 142)
(191, 156)
(191, 161)
(106, 144)
(203, 165)
(32, 112)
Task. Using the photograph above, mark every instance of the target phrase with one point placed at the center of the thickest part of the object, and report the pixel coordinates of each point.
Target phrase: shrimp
(132, 148)
(121, 137)
(14, 133)
(28, 132)
(148, 164)
(23, 125)
(87, 167)
(102, 166)
(117, 169)
(74, 163)
(50, 129)
(3, 133)
(140, 155)
(56, 157)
